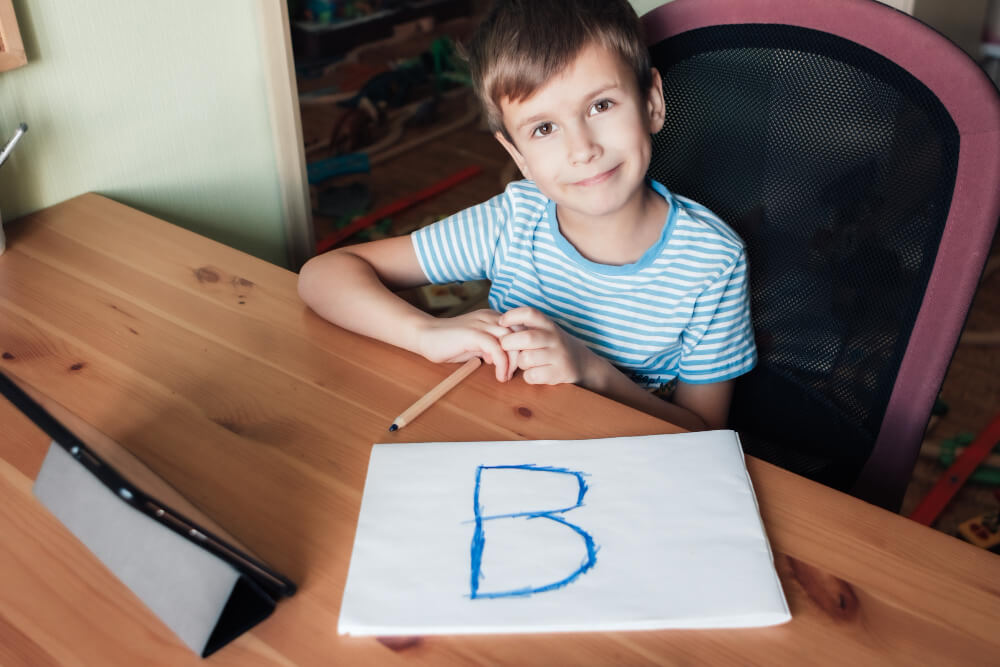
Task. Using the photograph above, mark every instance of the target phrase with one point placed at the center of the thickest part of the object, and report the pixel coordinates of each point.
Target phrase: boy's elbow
(712, 424)
(708, 403)
(310, 281)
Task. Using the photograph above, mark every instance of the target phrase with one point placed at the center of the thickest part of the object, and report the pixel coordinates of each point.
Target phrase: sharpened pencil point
(393, 428)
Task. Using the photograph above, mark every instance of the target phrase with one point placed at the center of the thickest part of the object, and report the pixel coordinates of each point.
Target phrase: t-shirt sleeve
(463, 246)
(719, 343)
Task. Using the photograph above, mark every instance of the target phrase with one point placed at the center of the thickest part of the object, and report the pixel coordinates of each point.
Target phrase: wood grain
(202, 362)
(12, 52)
(436, 393)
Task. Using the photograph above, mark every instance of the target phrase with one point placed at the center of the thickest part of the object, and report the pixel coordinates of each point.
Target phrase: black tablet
(260, 586)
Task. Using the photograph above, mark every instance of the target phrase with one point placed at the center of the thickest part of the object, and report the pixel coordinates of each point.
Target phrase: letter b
(522, 548)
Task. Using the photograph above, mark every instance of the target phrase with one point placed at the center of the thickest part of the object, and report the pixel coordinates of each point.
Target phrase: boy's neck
(620, 238)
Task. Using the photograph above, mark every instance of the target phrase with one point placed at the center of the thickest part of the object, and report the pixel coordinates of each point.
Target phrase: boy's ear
(655, 104)
(514, 153)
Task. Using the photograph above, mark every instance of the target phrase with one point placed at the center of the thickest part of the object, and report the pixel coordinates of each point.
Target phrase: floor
(971, 391)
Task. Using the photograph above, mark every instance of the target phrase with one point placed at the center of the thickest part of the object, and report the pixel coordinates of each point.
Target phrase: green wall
(644, 6)
(159, 105)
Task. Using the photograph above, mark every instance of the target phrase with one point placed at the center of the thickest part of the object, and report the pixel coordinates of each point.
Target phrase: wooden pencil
(431, 397)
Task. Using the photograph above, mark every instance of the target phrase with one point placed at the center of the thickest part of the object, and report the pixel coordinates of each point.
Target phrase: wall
(159, 105)
(643, 6)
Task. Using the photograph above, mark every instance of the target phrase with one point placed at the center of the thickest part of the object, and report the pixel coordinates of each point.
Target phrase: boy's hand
(475, 334)
(547, 354)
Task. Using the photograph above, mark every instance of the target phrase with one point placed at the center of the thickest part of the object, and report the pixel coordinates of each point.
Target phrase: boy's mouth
(599, 178)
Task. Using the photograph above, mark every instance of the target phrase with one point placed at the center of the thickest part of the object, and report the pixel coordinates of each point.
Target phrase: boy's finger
(525, 316)
(497, 331)
(493, 353)
(486, 316)
(529, 359)
(539, 375)
(529, 339)
(512, 360)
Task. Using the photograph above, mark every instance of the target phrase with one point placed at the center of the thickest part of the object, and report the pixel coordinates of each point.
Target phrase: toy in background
(331, 11)
(417, 62)
(965, 458)
(363, 222)
(415, 91)
(949, 450)
(933, 503)
(407, 93)
(381, 100)
(983, 530)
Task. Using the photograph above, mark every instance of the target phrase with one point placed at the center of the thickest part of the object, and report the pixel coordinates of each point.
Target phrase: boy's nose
(583, 146)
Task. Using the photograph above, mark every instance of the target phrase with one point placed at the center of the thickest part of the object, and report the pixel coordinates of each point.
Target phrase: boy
(600, 277)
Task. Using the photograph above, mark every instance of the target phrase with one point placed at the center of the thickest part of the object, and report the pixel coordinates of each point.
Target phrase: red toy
(364, 221)
(954, 477)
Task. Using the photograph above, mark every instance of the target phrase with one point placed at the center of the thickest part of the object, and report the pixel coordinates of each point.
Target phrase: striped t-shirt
(682, 311)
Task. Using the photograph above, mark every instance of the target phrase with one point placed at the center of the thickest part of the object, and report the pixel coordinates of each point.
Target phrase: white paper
(666, 535)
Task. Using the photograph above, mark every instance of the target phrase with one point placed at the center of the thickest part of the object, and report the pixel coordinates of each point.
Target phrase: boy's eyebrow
(603, 88)
(600, 90)
(531, 120)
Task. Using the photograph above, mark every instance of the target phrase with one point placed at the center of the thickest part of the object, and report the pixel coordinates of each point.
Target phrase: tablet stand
(206, 601)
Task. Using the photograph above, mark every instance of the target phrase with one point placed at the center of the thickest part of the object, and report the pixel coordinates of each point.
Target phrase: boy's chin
(584, 213)
(601, 205)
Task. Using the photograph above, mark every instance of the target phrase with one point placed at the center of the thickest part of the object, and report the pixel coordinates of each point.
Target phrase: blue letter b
(514, 483)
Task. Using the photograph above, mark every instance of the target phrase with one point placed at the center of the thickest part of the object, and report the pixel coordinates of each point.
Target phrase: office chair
(857, 153)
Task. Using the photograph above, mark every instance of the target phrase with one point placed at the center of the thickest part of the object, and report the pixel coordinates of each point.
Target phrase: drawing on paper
(512, 477)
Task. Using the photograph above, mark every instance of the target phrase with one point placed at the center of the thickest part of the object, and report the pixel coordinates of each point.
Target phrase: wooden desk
(203, 362)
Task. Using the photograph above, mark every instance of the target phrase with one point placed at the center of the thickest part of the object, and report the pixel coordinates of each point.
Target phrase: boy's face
(583, 137)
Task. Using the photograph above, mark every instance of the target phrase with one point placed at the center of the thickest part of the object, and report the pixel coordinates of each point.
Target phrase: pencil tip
(393, 428)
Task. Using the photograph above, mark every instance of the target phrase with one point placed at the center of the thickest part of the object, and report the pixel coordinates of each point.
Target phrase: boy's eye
(601, 106)
(543, 130)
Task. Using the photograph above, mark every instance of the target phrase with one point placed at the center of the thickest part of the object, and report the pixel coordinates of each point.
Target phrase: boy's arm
(694, 407)
(710, 401)
(352, 288)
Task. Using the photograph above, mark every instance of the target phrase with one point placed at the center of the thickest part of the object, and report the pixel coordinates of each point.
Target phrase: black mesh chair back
(838, 168)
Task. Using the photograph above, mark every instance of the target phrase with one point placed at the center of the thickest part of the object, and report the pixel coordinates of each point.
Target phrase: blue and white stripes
(681, 311)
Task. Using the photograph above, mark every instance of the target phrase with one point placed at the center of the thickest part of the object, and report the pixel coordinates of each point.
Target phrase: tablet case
(205, 588)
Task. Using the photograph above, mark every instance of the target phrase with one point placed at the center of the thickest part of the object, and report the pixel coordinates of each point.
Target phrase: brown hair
(521, 44)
